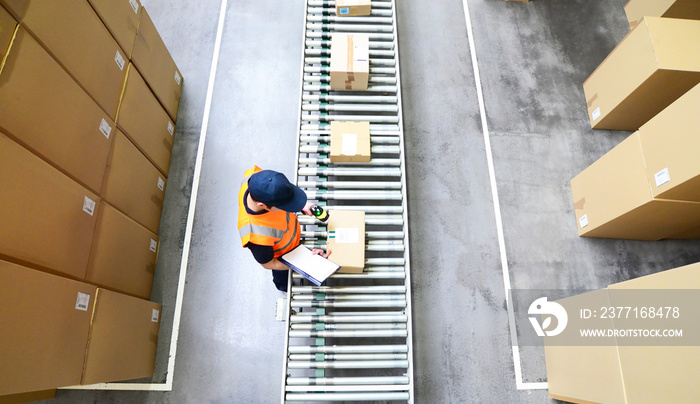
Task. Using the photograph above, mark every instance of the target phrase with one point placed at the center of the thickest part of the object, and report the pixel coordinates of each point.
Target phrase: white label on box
(154, 315)
(88, 206)
(134, 5)
(83, 301)
(349, 144)
(583, 221)
(595, 114)
(161, 183)
(171, 128)
(154, 245)
(105, 128)
(120, 60)
(662, 177)
(347, 235)
(177, 77)
(361, 53)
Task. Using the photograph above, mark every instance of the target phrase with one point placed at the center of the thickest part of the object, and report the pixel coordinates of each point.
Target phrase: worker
(267, 223)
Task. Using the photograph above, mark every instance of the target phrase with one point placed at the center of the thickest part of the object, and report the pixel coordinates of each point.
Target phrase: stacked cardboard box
(123, 254)
(21, 398)
(133, 185)
(636, 10)
(151, 57)
(646, 188)
(81, 198)
(47, 112)
(48, 220)
(615, 373)
(123, 338)
(121, 17)
(75, 36)
(46, 322)
(64, 332)
(656, 63)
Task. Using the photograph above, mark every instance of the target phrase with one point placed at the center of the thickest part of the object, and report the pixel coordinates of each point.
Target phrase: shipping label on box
(346, 240)
(349, 8)
(350, 142)
(349, 61)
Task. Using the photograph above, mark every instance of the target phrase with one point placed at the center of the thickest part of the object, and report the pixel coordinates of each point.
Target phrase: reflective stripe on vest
(251, 228)
(294, 236)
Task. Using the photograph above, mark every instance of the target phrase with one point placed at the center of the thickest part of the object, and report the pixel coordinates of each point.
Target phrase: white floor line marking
(168, 385)
(519, 384)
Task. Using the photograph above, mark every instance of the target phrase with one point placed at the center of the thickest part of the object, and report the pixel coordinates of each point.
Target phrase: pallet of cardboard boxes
(90, 96)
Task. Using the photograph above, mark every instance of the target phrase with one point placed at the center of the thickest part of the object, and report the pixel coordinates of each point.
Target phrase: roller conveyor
(351, 338)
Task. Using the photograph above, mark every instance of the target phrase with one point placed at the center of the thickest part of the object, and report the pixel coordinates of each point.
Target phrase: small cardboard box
(75, 36)
(8, 25)
(145, 122)
(613, 199)
(349, 8)
(45, 322)
(156, 66)
(349, 61)
(123, 254)
(346, 240)
(121, 17)
(656, 63)
(123, 338)
(350, 142)
(636, 10)
(134, 185)
(47, 219)
(47, 112)
(671, 146)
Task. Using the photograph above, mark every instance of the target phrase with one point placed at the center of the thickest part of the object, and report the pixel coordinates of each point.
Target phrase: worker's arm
(265, 256)
(307, 208)
(275, 264)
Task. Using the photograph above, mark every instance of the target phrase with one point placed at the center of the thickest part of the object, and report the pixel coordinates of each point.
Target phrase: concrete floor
(533, 58)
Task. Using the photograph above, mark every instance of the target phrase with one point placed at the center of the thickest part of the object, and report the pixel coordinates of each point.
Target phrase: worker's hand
(307, 208)
(318, 251)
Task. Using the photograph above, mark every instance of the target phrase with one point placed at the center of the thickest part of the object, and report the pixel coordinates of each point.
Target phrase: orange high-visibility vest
(277, 229)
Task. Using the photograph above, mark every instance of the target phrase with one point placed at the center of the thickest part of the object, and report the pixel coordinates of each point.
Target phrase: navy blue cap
(274, 189)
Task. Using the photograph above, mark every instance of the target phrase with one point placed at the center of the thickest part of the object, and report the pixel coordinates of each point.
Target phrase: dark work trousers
(280, 279)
